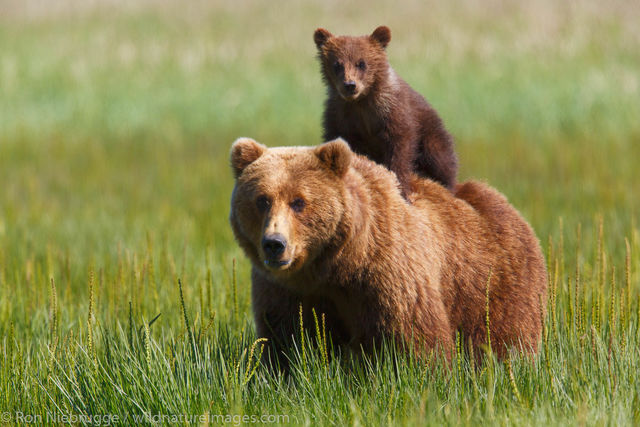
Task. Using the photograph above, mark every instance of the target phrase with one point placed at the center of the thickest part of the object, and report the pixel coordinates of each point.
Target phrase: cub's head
(353, 65)
(288, 202)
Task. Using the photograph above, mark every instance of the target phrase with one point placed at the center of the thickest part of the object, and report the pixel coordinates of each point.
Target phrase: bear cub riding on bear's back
(378, 113)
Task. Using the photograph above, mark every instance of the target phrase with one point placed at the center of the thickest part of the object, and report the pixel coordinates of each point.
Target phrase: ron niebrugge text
(112, 419)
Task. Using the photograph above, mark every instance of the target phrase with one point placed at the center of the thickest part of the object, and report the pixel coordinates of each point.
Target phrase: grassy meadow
(116, 120)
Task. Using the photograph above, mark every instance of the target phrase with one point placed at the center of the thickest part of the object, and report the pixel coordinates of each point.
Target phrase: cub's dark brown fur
(378, 113)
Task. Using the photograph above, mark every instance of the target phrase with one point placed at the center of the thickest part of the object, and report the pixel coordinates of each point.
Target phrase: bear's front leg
(276, 311)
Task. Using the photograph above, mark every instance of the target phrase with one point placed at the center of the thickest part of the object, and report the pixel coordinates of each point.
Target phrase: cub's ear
(381, 35)
(335, 155)
(245, 151)
(321, 36)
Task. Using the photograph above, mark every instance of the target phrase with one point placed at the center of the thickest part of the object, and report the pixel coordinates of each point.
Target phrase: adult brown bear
(329, 229)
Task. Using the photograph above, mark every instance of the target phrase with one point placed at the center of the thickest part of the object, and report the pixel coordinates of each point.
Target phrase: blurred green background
(116, 120)
(117, 117)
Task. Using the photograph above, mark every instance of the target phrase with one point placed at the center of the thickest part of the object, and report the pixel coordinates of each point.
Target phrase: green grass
(115, 125)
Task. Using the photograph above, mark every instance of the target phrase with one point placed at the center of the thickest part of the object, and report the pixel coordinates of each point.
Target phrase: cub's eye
(263, 203)
(337, 67)
(361, 65)
(297, 205)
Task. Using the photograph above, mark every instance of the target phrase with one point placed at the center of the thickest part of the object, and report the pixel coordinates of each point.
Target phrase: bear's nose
(274, 245)
(350, 86)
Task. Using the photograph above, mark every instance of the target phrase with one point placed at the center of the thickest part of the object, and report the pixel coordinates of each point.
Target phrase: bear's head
(353, 65)
(288, 202)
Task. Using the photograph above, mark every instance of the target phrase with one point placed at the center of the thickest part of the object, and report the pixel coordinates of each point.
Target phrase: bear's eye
(361, 65)
(337, 67)
(297, 204)
(263, 203)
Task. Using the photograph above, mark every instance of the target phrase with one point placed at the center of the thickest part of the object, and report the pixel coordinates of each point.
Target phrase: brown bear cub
(328, 229)
(378, 113)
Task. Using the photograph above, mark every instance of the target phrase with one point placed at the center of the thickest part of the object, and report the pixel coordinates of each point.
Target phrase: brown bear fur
(376, 265)
(383, 119)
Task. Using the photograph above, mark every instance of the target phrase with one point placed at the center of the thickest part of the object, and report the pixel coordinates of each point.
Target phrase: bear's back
(499, 215)
(519, 276)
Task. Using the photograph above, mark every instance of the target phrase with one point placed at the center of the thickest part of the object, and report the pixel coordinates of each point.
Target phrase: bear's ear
(381, 35)
(321, 36)
(335, 155)
(245, 151)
